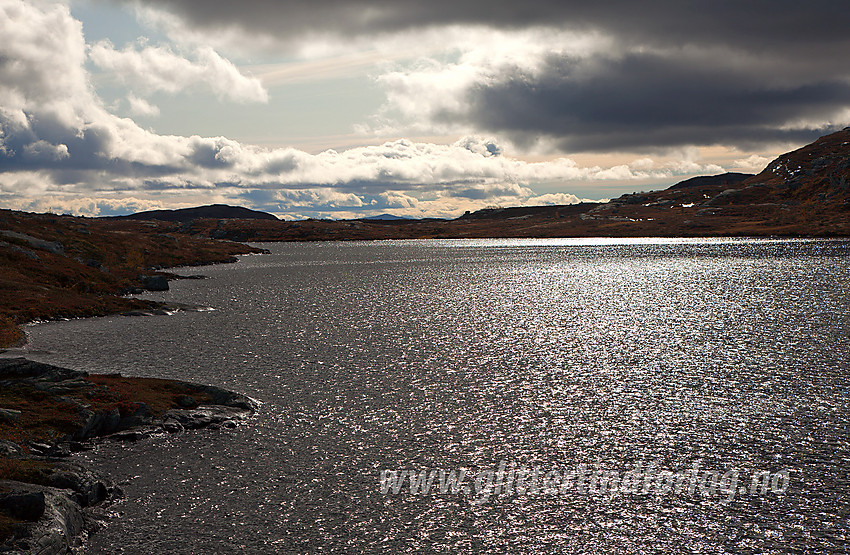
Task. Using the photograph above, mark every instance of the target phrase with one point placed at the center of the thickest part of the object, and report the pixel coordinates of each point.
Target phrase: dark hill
(387, 217)
(730, 178)
(525, 212)
(817, 173)
(214, 211)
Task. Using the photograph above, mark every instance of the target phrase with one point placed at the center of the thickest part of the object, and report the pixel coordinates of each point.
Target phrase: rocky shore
(54, 267)
(47, 413)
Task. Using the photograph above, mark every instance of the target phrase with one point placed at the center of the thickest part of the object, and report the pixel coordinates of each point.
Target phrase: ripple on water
(453, 354)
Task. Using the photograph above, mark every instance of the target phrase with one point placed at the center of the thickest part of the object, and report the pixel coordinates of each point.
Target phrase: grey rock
(61, 450)
(172, 426)
(70, 486)
(154, 283)
(9, 449)
(131, 436)
(35, 242)
(60, 526)
(202, 417)
(15, 248)
(187, 402)
(227, 398)
(142, 416)
(31, 372)
(88, 488)
(111, 422)
(40, 448)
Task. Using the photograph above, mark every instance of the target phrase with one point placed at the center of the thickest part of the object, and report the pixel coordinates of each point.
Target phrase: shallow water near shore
(449, 354)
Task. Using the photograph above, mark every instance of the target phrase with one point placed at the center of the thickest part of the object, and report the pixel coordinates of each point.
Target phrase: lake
(525, 364)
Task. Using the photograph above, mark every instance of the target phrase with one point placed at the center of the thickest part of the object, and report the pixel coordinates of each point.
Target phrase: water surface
(448, 354)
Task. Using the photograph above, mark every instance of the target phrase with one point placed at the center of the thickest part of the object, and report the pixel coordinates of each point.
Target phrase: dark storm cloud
(680, 72)
(651, 100)
(779, 23)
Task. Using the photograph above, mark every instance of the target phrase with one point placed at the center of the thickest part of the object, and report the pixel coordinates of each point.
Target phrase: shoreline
(49, 412)
(130, 306)
(55, 267)
(58, 266)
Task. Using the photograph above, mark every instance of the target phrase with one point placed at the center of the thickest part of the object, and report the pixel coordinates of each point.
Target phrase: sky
(351, 108)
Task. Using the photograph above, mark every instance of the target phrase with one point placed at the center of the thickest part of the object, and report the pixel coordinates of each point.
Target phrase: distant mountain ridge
(385, 217)
(801, 193)
(729, 178)
(215, 211)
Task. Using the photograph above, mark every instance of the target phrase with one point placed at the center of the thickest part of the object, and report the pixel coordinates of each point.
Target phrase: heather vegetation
(65, 267)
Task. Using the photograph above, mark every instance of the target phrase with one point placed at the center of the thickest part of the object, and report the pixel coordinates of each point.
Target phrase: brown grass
(48, 418)
(126, 393)
(11, 335)
(43, 417)
(102, 258)
(26, 470)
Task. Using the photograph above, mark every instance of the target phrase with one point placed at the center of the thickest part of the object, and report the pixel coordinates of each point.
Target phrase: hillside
(62, 266)
(730, 178)
(216, 211)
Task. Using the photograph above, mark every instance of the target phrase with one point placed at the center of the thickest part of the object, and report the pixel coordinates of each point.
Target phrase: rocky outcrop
(51, 513)
(35, 242)
(57, 528)
(216, 405)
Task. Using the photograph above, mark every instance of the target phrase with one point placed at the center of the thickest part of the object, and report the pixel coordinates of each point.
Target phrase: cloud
(85, 206)
(398, 199)
(552, 199)
(141, 107)
(60, 144)
(158, 68)
(311, 198)
(571, 75)
(811, 25)
(752, 163)
(613, 101)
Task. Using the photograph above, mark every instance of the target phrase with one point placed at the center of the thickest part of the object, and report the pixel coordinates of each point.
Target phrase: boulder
(23, 505)
(154, 283)
(59, 528)
(87, 487)
(10, 449)
(201, 417)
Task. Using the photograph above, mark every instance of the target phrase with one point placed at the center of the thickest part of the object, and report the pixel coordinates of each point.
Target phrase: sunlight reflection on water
(447, 354)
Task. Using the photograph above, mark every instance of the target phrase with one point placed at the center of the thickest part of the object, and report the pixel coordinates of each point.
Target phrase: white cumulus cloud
(158, 68)
(141, 107)
(59, 142)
